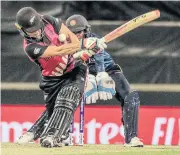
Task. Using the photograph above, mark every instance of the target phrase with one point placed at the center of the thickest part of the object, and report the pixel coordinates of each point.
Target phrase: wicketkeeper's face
(80, 34)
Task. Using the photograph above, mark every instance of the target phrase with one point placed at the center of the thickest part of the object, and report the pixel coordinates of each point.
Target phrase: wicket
(81, 126)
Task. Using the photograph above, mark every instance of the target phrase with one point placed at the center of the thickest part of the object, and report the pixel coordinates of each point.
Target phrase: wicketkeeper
(106, 79)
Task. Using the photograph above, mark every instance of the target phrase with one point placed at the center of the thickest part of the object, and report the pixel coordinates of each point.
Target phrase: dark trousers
(122, 85)
(52, 85)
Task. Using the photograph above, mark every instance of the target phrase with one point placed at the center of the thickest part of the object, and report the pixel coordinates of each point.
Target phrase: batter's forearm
(62, 50)
(68, 49)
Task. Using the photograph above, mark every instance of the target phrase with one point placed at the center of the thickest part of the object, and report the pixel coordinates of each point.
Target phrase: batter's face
(36, 34)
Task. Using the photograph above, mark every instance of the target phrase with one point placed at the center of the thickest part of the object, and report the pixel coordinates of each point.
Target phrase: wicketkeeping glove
(105, 86)
(91, 94)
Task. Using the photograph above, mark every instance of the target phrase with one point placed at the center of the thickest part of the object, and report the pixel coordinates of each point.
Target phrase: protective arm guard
(130, 115)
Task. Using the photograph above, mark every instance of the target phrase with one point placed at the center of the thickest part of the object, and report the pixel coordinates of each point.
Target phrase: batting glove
(84, 54)
(91, 94)
(93, 43)
(105, 86)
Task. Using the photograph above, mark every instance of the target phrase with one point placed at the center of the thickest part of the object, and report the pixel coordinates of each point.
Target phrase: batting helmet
(77, 23)
(28, 20)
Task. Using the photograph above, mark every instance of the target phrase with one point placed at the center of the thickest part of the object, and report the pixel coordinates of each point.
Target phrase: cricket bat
(132, 24)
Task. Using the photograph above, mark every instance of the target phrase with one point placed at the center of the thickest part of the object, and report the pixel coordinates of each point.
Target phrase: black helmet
(28, 20)
(77, 23)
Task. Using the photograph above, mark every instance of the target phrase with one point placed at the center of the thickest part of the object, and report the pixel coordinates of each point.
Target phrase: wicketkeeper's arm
(99, 61)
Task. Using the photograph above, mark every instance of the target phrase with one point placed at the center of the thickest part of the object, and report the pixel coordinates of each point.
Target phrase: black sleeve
(56, 22)
(34, 51)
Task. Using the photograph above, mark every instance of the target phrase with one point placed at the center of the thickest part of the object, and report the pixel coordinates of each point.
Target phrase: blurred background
(149, 57)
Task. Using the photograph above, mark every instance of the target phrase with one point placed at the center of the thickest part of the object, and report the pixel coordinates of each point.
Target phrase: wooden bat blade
(69, 34)
(74, 44)
(132, 24)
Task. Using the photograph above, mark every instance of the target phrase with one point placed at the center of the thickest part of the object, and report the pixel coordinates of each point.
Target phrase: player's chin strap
(87, 32)
(130, 115)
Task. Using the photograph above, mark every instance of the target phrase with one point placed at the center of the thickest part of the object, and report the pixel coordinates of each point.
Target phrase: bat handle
(76, 55)
(103, 39)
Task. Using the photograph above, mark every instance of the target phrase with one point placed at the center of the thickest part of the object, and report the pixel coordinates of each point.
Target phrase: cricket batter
(62, 81)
